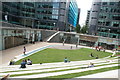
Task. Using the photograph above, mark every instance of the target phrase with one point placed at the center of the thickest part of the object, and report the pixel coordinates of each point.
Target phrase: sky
(84, 5)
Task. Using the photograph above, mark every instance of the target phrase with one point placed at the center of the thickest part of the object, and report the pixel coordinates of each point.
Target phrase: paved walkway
(107, 74)
(9, 54)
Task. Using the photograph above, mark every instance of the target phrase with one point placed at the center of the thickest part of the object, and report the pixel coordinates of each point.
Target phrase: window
(112, 3)
(114, 36)
(115, 24)
(116, 17)
(54, 11)
(54, 17)
(94, 11)
(107, 23)
(55, 5)
(104, 3)
(94, 18)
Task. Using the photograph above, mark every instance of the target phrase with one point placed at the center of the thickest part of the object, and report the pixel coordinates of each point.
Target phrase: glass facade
(20, 13)
(40, 15)
(73, 13)
(48, 14)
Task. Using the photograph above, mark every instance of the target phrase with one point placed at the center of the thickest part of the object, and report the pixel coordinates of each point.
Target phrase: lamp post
(108, 36)
(6, 16)
(54, 24)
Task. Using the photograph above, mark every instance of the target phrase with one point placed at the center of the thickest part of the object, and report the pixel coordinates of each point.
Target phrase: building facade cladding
(51, 15)
(93, 18)
(73, 13)
(87, 18)
(109, 20)
(20, 13)
(105, 19)
(41, 15)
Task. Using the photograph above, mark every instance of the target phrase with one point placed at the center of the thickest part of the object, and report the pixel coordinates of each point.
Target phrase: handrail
(52, 36)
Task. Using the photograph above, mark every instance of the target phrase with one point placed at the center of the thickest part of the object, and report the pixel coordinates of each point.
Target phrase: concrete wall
(45, 34)
(56, 39)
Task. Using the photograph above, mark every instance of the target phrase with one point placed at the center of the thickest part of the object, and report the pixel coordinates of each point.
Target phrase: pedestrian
(25, 61)
(11, 62)
(65, 60)
(91, 65)
(71, 47)
(24, 50)
(23, 64)
(29, 62)
(91, 55)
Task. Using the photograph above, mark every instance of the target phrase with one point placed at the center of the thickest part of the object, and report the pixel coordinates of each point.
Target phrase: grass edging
(55, 71)
(85, 72)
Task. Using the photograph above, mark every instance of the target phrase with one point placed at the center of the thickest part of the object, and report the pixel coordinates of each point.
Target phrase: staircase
(55, 69)
(52, 36)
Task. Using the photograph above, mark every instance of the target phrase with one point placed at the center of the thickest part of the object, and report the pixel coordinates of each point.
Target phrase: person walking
(24, 50)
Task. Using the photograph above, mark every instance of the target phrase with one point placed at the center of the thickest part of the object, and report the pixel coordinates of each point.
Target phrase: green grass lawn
(117, 53)
(57, 55)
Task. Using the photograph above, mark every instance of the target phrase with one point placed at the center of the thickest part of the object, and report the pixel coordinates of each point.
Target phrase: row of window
(109, 16)
(48, 17)
(49, 5)
(48, 11)
(108, 23)
(111, 3)
(44, 23)
(111, 35)
(110, 9)
(29, 4)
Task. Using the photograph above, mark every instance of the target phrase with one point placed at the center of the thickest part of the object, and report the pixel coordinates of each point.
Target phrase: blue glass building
(73, 13)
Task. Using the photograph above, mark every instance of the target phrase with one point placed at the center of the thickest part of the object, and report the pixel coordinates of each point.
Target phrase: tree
(84, 29)
(78, 27)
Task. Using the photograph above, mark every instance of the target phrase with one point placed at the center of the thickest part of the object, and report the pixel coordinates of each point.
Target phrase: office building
(22, 21)
(105, 21)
